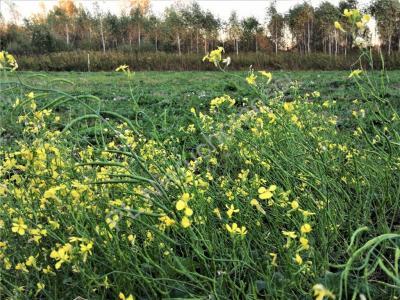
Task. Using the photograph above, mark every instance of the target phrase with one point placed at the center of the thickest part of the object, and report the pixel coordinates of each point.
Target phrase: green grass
(166, 97)
(109, 178)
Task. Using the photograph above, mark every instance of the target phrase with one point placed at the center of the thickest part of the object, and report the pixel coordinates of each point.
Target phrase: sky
(220, 8)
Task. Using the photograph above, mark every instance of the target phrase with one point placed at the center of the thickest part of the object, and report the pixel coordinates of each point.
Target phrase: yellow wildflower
(304, 243)
(86, 249)
(61, 255)
(266, 74)
(31, 261)
(257, 205)
(339, 26)
(40, 287)
(122, 68)
(21, 267)
(320, 292)
(122, 297)
(347, 13)
(180, 205)
(289, 234)
(294, 204)
(306, 228)
(19, 226)
(188, 211)
(167, 221)
(185, 222)
(214, 56)
(288, 106)
(266, 193)
(355, 73)
(251, 79)
(298, 259)
(274, 258)
(217, 212)
(241, 231)
(231, 210)
(235, 229)
(366, 18)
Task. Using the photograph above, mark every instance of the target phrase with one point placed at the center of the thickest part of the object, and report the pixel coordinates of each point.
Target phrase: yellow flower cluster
(182, 204)
(355, 19)
(7, 61)
(219, 101)
(251, 79)
(125, 70)
(215, 56)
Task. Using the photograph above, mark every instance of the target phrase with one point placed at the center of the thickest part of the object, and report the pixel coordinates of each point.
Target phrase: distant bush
(161, 61)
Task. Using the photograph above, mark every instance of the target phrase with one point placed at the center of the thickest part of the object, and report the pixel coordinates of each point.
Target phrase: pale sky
(220, 8)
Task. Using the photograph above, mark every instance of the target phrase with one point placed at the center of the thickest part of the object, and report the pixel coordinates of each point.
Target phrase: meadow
(200, 185)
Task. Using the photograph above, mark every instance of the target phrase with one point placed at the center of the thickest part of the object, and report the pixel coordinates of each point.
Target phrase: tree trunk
(139, 40)
(156, 43)
(67, 33)
(205, 44)
(308, 37)
(102, 36)
(191, 42)
(390, 44)
(336, 46)
(237, 47)
(197, 41)
(90, 36)
(179, 44)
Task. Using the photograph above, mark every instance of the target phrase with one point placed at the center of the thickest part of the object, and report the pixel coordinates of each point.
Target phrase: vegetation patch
(274, 189)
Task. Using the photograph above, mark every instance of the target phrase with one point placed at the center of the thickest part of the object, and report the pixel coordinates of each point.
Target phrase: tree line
(190, 29)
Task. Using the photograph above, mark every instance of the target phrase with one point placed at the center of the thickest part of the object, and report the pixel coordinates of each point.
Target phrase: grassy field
(198, 185)
(166, 97)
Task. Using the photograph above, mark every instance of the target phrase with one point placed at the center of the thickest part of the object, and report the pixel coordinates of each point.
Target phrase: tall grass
(78, 61)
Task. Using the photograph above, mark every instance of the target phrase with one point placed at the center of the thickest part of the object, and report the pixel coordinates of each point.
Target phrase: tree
(155, 29)
(138, 18)
(174, 22)
(250, 27)
(114, 28)
(99, 19)
(387, 15)
(66, 10)
(84, 21)
(197, 16)
(42, 39)
(326, 36)
(210, 29)
(234, 30)
(300, 20)
(143, 6)
(275, 25)
(348, 4)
